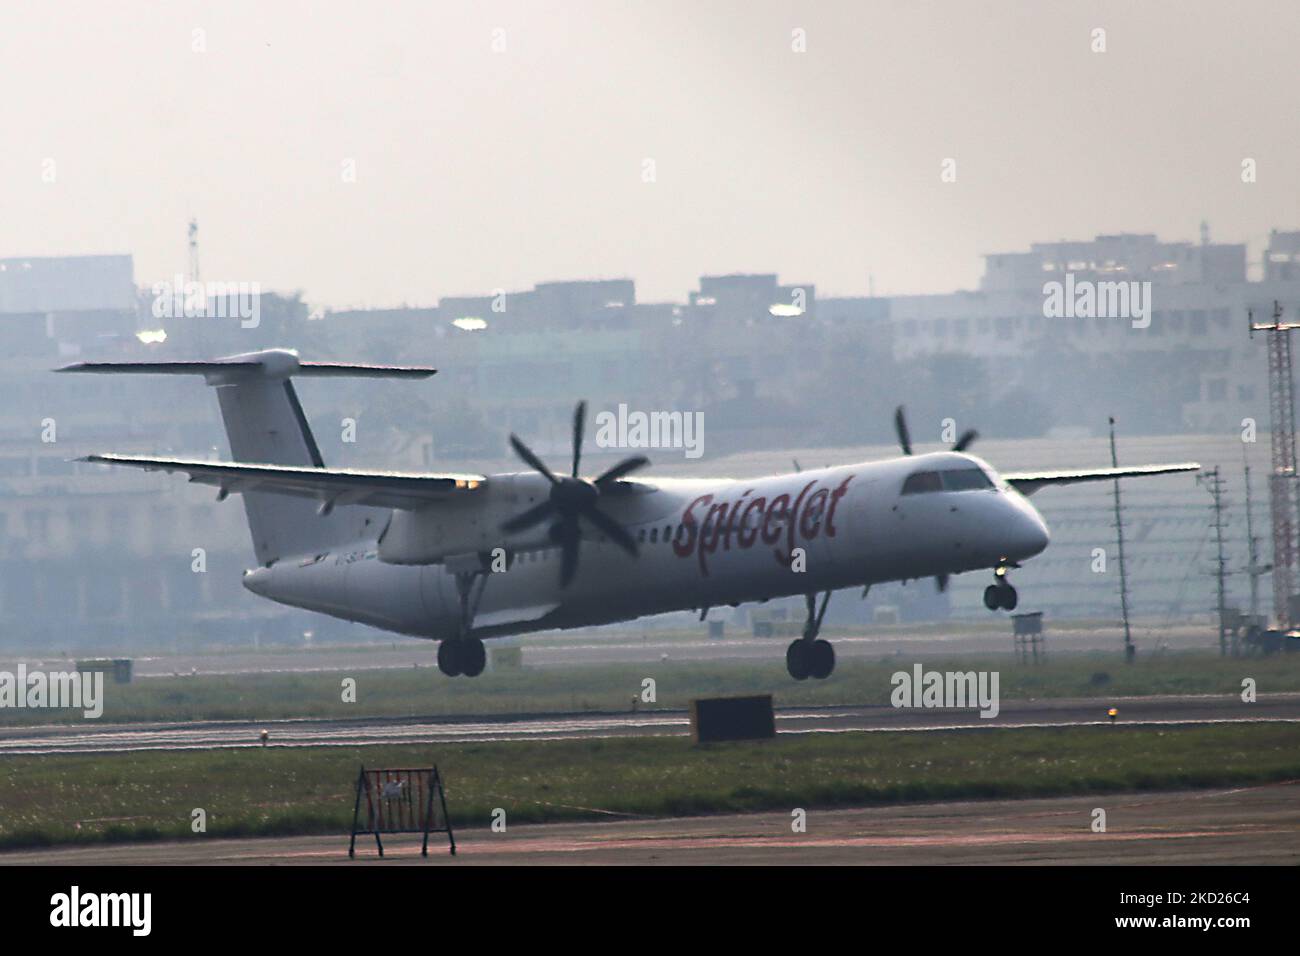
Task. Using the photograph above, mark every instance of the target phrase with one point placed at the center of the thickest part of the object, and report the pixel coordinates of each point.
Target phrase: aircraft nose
(1027, 535)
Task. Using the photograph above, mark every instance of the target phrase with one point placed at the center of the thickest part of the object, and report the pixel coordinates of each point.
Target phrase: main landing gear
(810, 656)
(462, 655)
(465, 654)
(1000, 595)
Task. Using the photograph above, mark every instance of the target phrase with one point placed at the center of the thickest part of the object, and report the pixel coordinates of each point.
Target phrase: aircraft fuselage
(703, 543)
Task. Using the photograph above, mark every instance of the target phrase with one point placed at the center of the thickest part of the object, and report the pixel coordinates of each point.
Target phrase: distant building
(590, 303)
(1282, 257)
(746, 296)
(1200, 296)
(67, 284)
(1130, 256)
(52, 305)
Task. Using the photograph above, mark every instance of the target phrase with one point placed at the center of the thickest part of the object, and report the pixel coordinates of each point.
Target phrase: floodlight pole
(1282, 477)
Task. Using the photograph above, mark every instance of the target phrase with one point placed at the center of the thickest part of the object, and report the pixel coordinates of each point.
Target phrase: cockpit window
(961, 479)
(922, 481)
(966, 479)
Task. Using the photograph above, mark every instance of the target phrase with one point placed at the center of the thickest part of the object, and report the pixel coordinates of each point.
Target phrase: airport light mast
(1282, 478)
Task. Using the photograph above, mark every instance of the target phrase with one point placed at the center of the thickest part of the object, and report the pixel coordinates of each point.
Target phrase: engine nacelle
(431, 535)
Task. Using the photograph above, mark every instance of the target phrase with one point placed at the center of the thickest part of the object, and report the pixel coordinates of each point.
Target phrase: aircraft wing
(1027, 482)
(331, 486)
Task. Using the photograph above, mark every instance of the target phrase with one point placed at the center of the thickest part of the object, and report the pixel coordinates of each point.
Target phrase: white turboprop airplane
(459, 558)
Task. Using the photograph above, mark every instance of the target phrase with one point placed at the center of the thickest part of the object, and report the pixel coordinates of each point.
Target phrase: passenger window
(654, 535)
(966, 479)
(922, 481)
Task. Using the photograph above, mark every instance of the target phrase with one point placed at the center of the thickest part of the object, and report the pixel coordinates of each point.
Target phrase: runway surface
(1258, 825)
(91, 737)
(622, 646)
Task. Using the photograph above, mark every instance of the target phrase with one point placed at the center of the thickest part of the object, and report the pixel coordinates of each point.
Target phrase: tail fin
(265, 424)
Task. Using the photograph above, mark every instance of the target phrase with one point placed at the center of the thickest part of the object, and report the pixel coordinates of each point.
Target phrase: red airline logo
(747, 520)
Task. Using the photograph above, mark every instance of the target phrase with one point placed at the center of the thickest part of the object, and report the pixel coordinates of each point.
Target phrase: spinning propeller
(964, 441)
(572, 498)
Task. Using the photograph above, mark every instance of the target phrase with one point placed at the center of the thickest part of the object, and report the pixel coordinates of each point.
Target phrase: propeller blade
(579, 421)
(941, 582)
(568, 560)
(900, 426)
(966, 440)
(534, 515)
(612, 529)
(526, 453)
(624, 467)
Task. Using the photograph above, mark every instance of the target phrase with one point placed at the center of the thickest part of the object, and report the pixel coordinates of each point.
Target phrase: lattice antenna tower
(1282, 477)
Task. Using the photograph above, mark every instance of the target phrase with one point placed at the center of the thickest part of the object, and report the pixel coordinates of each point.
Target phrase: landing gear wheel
(796, 660)
(821, 659)
(473, 657)
(449, 658)
(1000, 597)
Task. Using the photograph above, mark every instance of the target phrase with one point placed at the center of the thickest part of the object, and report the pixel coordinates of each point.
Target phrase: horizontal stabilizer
(1027, 482)
(352, 370)
(331, 486)
(270, 364)
(160, 368)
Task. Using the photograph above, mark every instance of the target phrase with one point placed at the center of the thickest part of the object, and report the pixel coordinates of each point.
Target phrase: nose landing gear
(1000, 595)
(809, 656)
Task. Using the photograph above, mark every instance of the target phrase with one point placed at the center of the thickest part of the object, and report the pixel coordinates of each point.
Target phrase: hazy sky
(478, 169)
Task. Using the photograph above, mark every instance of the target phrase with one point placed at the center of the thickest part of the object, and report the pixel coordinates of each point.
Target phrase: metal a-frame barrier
(400, 800)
